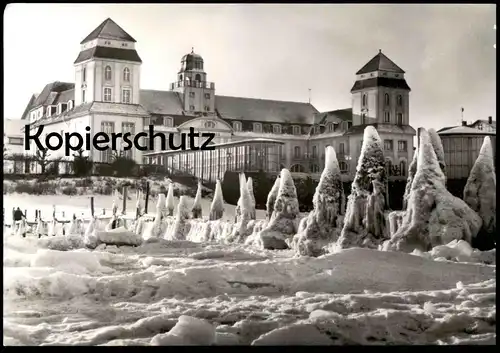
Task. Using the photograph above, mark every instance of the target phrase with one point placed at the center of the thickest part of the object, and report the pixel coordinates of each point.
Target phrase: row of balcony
(195, 84)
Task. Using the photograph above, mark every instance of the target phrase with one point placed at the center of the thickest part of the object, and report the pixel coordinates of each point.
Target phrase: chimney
(490, 120)
(464, 123)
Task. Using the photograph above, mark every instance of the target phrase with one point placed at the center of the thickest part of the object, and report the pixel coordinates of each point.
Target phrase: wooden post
(13, 218)
(92, 206)
(124, 208)
(147, 198)
(26, 214)
(103, 211)
(36, 215)
(40, 214)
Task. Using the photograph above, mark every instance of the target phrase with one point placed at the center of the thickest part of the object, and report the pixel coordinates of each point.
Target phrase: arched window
(197, 77)
(126, 74)
(387, 100)
(402, 166)
(297, 168)
(180, 77)
(400, 100)
(314, 151)
(84, 74)
(107, 73)
(296, 151)
(365, 100)
(400, 119)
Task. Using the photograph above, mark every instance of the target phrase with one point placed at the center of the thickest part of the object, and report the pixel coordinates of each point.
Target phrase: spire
(380, 62)
(108, 30)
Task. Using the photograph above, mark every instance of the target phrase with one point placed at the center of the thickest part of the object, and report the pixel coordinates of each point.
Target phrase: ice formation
(252, 195)
(181, 225)
(433, 216)
(170, 200)
(364, 223)
(243, 211)
(480, 195)
(284, 220)
(412, 169)
(217, 206)
(321, 225)
(196, 210)
(437, 144)
(271, 198)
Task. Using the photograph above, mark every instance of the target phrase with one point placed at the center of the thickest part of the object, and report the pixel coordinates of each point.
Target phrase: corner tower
(380, 94)
(198, 95)
(108, 67)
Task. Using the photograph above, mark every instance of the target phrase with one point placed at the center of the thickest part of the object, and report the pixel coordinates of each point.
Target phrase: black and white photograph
(242, 174)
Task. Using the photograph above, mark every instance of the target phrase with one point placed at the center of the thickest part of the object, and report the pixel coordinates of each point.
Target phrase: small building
(461, 145)
(13, 142)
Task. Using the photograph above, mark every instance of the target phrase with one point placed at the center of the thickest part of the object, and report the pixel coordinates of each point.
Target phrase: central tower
(198, 95)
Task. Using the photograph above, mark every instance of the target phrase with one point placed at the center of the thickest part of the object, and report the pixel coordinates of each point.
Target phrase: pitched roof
(161, 102)
(28, 106)
(334, 116)
(51, 92)
(483, 121)
(465, 130)
(382, 128)
(108, 30)
(382, 63)
(108, 53)
(380, 82)
(251, 109)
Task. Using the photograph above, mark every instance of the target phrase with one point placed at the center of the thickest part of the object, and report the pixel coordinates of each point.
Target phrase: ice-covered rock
(196, 210)
(217, 206)
(170, 200)
(284, 220)
(271, 198)
(321, 225)
(434, 216)
(364, 222)
(480, 195)
(119, 236)
(90, 239)
(189, 331)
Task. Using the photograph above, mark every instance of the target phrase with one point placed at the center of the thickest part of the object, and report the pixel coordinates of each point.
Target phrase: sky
(273, 51)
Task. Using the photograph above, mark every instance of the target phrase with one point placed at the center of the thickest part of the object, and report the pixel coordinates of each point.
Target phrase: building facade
(107, 97)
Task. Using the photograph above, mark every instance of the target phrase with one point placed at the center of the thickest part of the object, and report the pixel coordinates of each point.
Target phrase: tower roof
(382, 63)
(109, 30)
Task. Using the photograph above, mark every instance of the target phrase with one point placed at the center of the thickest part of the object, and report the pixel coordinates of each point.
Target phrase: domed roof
(191, 61)
(192, 56)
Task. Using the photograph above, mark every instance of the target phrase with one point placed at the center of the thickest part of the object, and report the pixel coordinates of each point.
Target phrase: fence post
(92, 206)
(147, 198)
(124, 208)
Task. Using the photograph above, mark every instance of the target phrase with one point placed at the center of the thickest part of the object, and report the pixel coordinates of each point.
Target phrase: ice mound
(119, 237)
(459, 251)
(294, 335)
(189, 331)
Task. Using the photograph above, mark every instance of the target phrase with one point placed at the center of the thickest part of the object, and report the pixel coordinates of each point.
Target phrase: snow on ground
(186, 293)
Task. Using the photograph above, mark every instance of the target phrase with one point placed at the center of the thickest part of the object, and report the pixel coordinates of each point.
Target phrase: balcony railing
(196, 84)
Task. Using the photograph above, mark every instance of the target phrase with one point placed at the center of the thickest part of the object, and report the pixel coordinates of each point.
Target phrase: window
(180, 77)
(207, 95)
(349, 124)
(396, 75)
(343, 166)
(297, 168)
(388, 165)
(363, 118)
(107, 73)
(237, 126)
(207, 108)
(83, 96)
(387, 100)
(296, 151)
(197, 77)
(156, 120)
(84, 75)
(209, 124)
(399, 100)
(402, 146)
(70, 104)
(314, 168)
(257, 127)
(107, 127)
(314, 151)
(276, 129)
(191, 107)
(364, 102)
(124, 45)
(107, 94)
(331, 127)
(388, 145)
(402, 166)
(400, 119)
(16, 141)
(387, 117)
(296, 130)
(341, 148)
(317, 130)
(128, 128)
(169, 122)
(126, 96)
(126, 74)
(191, 94)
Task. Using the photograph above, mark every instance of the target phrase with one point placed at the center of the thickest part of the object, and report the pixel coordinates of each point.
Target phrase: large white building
(107, 97)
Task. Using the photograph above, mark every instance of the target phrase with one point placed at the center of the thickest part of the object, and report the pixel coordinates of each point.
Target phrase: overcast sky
(273, 51)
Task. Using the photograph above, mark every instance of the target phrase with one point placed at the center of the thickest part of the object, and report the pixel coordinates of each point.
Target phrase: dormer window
(107, 73)
(276, 129)
(331, 127)
(257, 127)
(169, 121)
(70, 104)
(126, 74)
(317, 130)
(296, 130)
(236, 126)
